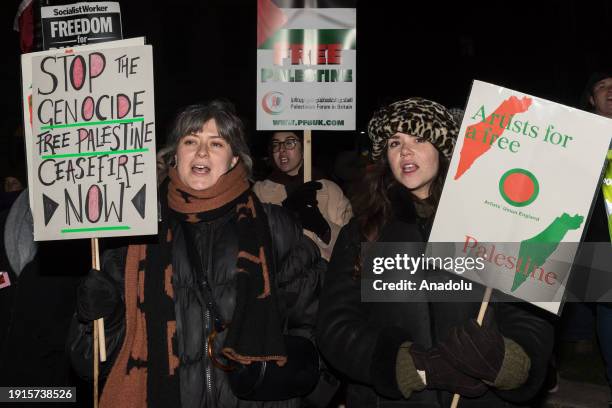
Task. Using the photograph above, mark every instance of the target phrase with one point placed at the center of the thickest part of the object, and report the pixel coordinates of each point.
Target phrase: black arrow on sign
(49, 207)
(140, 200)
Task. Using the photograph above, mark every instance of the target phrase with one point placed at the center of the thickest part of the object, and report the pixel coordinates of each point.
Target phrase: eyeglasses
(288, 144)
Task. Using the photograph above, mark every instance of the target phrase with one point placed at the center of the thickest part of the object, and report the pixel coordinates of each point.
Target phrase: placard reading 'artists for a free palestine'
(93, 144)
(519, 190)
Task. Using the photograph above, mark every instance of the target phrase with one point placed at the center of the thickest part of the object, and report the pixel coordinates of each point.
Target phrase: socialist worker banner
(519, 191)
(80, 23)
(306, 67)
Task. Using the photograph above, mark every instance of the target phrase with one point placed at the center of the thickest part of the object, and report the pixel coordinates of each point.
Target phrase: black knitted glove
(303, 202)
(441, 375)
(476, 350)
(98, 297)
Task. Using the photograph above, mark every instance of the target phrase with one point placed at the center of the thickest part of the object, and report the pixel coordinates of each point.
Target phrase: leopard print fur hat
(417, 117)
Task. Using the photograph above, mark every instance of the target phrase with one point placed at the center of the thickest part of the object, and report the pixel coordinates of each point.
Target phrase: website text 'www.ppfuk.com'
(308, 122)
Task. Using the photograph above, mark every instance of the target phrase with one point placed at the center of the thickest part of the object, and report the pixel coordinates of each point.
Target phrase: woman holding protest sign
(320, 205)
(419, 353)
(218, 311)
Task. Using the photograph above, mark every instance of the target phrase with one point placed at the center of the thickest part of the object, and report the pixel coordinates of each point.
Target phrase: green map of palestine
(535, 251)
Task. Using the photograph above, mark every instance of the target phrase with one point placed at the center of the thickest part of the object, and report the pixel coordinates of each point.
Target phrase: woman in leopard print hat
(429, 131)
(415, 116)
(419, 353)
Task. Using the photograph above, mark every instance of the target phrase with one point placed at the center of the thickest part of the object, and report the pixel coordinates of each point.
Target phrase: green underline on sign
(85, 124)
(62, 156)
(117, 228)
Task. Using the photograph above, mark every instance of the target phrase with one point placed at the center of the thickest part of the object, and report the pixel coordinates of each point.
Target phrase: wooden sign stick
(307, 150)
(481, 313)
(95, 263)
(99, 340)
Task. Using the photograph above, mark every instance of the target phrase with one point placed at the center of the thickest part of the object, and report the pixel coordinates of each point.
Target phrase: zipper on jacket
(207, 368)
(201, 278)
(207, 319)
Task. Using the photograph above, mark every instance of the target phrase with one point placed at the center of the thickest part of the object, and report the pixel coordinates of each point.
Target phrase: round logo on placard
(272, 102)
(519, 187)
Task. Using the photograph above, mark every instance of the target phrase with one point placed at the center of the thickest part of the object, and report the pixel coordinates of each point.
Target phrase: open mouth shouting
(200, 169)
(409, 167)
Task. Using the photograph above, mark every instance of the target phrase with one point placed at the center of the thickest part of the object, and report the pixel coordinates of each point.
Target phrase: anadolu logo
(272, 102)
(519, 187)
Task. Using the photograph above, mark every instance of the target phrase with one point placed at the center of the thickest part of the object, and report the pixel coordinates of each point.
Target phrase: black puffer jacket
(361, 340)
(299, 268)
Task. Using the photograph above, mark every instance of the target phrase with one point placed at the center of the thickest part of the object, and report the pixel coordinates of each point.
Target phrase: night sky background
(434, 49)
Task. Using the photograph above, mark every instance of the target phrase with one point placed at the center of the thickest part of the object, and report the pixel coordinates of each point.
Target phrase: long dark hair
(372, 204)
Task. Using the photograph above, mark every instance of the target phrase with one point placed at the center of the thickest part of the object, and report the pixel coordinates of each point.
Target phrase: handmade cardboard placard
(26, 87)
(92, 154)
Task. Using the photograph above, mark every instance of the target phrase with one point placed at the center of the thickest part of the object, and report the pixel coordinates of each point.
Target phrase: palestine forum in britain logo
(519, 187)
(272, 102)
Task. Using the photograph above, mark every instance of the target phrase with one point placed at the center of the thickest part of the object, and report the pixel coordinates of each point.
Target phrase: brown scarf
(185, 200)
(255, 332)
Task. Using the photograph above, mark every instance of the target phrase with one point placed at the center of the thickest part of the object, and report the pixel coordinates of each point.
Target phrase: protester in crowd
(37, 300)
(221, 259)
(320, 205)
(579, 320)
(11, 189)
(37, 286)
(419, 353)
(598, 94)
(599, 89)
(13, 174)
